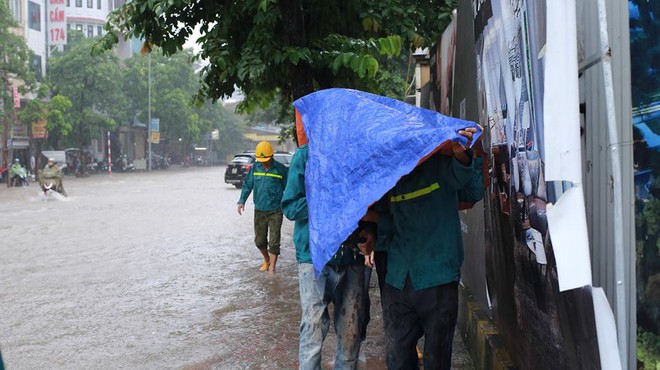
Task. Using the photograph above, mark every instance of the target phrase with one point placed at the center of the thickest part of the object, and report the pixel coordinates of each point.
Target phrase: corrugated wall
(473, 274)
(598, 182)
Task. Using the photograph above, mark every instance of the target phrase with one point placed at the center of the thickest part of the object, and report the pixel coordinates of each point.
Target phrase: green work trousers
(267, 227)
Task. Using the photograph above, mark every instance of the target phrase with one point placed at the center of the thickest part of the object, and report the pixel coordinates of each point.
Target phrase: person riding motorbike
(52, 174)
(18, 174)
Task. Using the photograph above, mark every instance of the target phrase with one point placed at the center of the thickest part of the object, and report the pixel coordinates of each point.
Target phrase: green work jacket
(426, 242)
(268, 186)
(294, 204)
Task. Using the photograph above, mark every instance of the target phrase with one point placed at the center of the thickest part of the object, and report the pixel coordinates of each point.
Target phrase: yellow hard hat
(264, 151)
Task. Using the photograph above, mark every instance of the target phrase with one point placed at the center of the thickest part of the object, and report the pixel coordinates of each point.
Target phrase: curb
(480, 335)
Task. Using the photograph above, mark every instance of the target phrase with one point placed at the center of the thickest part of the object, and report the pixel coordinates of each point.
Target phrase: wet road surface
(150, 271)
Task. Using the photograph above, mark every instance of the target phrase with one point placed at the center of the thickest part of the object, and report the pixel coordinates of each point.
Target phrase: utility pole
(5, 122)
(149, 120)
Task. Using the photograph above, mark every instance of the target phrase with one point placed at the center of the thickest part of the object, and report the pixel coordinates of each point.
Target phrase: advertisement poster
(544, 325)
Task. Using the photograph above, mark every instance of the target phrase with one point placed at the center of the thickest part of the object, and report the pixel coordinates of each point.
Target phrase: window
(90, 3)
(68, 27)
(15, 6)
(36, 66)
(78, 3)
(98, 4)
(79, 27)
(68, 3)
(99, 30)
(90, 31)
(34, 16)
(110, 7)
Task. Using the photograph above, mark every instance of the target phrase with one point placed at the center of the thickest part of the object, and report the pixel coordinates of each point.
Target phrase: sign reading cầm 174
(56, 22)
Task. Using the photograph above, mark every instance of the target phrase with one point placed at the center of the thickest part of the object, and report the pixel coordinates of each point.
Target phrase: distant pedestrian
(267, 179)
(76, 165)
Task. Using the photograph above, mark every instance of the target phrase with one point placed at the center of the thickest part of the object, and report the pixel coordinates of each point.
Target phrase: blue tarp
(360, 145)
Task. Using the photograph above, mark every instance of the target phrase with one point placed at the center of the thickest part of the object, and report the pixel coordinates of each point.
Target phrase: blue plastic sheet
(360, 145)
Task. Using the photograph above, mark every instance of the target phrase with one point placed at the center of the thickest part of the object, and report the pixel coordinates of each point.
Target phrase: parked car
(280, 156)
(238, 168)
(283, 157)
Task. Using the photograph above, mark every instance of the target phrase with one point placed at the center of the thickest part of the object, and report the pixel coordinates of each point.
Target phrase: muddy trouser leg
(260, 229)
(366, 306)
(274, 232)
(348, 313)
(402, 327)
(438, 310)
(315, 321)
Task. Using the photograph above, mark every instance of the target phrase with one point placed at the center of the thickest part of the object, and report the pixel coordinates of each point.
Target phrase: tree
(174, 84)
(93, 84)
(52, 111)
(214, 116)
(283, 49)
(14, 65)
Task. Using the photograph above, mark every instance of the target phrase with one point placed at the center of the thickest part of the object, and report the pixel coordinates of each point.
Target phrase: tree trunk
(295, 34)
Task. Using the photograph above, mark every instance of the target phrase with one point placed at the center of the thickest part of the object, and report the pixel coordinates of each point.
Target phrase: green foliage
(53, 111)
(173, 86)
(648, 350)
(14, 52)
(651, 216)
(14, 63)
(288, 48)
(92, 83)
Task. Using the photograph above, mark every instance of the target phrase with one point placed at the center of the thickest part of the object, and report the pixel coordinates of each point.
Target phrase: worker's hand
(241, 208)
(468, 133)
(369, 243)
(459, 150)
(369, 260)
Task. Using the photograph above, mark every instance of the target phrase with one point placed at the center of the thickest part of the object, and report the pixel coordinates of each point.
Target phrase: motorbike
(102, 166)
(186, 161)
(159, 162)
(48, 189)
(21, 178)
(92, 167)
(123, 164)
(49, 185)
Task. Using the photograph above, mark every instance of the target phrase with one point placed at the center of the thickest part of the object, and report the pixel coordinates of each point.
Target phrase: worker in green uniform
(267, 179)
(424, 257)
(341, 281)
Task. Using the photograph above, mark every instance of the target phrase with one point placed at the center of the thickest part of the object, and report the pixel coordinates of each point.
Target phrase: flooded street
(148, 271)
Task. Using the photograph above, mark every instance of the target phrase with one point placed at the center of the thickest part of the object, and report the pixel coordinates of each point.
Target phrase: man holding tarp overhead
(360, 147)
(424, 257)
(340, 282)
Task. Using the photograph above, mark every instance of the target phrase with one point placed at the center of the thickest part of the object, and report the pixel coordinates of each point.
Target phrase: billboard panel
(56, 22)
(544, 326)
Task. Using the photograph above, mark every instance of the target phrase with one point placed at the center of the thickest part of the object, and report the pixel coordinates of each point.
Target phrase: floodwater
(149, 271)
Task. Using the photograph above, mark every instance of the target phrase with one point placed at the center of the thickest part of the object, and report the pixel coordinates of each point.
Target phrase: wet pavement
(150, 271)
